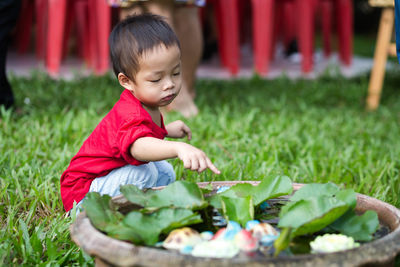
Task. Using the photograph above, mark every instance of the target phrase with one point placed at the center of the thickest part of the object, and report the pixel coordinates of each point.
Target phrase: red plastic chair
(326, 7)
(53, 27)
(305, 19)
(99, 25)
(81, 13)
(263, 28)
(344, 16)
(342, 10)
(25, 18)
(29, 10)
(304, 15)
(227, 16)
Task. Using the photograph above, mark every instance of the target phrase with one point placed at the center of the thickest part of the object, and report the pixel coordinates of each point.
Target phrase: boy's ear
(125, 82)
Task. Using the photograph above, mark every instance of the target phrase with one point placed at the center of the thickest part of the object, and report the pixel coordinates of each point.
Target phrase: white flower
(216, 249)
(332, 243)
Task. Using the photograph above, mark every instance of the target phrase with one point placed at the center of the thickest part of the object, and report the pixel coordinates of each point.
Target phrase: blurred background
(240, 37)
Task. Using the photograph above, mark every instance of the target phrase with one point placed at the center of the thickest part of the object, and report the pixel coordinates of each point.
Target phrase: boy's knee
(147, 177)
(166, 173)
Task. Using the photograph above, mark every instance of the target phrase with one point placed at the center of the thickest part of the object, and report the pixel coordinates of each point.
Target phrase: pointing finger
(212, 167)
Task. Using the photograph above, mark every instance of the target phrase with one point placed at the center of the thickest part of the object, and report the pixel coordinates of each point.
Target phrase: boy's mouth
(169, 97)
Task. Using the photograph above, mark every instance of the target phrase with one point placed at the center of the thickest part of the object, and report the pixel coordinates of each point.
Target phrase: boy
(183, 17)
(127, 146)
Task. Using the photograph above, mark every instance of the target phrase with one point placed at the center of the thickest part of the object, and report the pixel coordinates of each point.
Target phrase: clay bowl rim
(378, 251)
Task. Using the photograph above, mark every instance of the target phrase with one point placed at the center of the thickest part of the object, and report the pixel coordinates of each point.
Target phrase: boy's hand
(178, 129)
(194, 159)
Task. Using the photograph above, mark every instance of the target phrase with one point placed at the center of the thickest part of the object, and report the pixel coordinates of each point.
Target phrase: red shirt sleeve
(129, 133)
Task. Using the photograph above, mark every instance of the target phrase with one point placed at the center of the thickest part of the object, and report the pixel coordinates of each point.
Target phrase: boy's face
(159, 78)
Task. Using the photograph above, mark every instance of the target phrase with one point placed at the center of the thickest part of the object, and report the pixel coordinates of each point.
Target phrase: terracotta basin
(111, 252)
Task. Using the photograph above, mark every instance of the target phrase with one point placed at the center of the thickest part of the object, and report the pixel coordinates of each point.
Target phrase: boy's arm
(154, 149)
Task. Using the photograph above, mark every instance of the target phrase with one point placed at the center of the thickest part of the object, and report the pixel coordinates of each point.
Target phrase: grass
(312, 131)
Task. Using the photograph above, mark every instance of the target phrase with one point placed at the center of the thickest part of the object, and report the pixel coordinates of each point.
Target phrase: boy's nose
(169, 85)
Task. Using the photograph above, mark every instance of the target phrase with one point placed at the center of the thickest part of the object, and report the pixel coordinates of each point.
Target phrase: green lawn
(312, 131)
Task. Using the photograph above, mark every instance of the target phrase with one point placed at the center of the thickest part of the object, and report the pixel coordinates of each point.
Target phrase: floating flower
(268, 240)
(219, 234)
(232, 229)
(264, 233)
(263, 229)
(228, 232)
(332, 243)
(180, 238)
(206, 235)
(251, 224)
(245, 241)
(217, 248)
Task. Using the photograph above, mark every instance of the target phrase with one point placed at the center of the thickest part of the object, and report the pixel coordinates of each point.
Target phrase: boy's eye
(177, 73)
(155, 81)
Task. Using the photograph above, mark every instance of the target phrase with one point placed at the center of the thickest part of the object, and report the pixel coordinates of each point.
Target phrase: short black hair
(135, 35)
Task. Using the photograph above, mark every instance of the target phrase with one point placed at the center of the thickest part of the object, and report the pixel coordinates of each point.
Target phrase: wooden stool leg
(380, 57)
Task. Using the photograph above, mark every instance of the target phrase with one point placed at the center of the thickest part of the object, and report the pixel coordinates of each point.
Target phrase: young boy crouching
(128, 146)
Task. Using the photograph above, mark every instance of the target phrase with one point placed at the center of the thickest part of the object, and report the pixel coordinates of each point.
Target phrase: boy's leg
(143, 176)
(166, 173)
(148, 175)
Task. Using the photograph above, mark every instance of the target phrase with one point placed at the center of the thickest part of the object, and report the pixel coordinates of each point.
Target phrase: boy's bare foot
(184, 104)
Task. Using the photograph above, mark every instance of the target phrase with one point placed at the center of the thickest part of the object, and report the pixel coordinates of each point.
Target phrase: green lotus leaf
(100, 211)
(106, 218)
(268, 188)
(236, 191)
(123, 232)
(240, 210)
(314, 190)
(314, 207)
(348, 196)
(311, 215)
(328, 190)
(283, 240)
(149, 226)
(272, 188)
(180, 194)
(360, 227)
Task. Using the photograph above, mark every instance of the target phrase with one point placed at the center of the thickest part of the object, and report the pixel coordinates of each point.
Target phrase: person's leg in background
(164, 8)
(187, 26)
(134, 9)
(397, 26)
(9, 11)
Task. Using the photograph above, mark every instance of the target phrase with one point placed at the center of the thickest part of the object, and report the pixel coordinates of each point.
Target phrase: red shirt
(108, 147)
